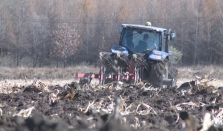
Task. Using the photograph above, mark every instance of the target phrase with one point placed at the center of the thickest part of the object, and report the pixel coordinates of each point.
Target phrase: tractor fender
(119, 49)
(158, 55)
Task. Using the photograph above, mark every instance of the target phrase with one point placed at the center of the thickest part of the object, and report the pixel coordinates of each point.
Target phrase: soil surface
(115, 106)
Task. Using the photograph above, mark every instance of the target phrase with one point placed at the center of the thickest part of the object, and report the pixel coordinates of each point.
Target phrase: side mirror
(172, 35)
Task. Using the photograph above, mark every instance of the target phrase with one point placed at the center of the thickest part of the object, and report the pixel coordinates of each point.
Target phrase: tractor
(142, 55)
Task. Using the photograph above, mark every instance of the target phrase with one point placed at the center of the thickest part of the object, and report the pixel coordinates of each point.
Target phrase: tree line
(41, 33)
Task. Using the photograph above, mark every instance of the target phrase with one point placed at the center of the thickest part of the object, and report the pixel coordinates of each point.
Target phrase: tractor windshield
(140, 40)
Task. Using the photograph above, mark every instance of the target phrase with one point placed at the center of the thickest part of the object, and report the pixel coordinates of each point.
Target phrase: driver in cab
(144, 44)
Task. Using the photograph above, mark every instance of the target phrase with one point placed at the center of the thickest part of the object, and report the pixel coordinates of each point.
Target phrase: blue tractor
(142, 55)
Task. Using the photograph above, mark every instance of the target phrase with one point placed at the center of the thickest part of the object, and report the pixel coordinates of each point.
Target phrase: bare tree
(27, 27)
(65, 41)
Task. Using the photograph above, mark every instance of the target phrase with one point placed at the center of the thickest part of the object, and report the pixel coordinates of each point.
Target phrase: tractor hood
(158, 55)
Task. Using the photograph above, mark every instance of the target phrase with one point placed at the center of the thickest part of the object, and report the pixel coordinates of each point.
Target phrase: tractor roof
(143, 27)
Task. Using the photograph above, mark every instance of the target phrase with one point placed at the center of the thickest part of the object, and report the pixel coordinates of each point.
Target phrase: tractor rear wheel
(158, 70)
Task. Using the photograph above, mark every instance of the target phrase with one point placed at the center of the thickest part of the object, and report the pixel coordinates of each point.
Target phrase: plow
(142, 55)
(111, 71)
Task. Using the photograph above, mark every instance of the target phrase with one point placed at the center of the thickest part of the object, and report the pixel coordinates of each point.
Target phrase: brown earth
(41, 107)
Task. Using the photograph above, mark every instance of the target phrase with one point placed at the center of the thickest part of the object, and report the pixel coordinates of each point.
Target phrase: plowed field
(115, 106)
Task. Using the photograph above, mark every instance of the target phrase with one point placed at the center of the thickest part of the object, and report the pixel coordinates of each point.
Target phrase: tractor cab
(141, 38)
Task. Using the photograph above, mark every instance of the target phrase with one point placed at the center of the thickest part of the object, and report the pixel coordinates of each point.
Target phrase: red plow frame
(131, 76)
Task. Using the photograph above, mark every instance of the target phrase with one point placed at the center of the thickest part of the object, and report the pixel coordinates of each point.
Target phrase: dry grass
(10, 77)
(211, 72)
(44, 73)
(191, 71)
(69, 72)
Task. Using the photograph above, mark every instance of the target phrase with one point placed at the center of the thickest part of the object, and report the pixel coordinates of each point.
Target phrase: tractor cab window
(140, 40)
